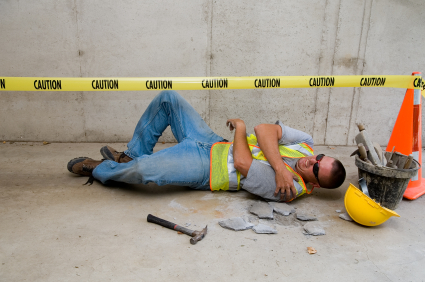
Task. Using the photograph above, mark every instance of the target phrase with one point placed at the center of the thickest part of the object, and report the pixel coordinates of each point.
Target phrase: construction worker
(203, 160)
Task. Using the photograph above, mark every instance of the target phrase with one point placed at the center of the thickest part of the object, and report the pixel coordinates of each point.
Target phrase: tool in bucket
(387, 179)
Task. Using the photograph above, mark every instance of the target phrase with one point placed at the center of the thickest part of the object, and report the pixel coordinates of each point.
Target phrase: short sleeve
(292, 136)
(261, 181)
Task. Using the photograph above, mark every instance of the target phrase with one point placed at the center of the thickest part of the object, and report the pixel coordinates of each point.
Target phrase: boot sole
(74, 161)
(106, 154)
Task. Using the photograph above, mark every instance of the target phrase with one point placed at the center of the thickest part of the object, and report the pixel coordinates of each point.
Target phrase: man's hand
(232, 123)
(285, 184)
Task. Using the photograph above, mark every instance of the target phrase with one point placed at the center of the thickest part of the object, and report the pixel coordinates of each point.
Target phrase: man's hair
(337, 178)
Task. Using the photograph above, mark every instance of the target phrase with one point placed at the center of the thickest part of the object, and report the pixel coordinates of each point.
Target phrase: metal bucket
(387, 185)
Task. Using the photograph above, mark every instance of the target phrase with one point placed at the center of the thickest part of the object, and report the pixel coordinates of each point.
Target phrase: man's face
(305, 168)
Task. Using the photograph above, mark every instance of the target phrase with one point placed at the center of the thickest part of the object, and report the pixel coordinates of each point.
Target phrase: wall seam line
(332, 73)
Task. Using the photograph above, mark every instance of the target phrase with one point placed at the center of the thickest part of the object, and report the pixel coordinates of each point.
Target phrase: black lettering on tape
(104, 84)
(2, 83)
(47, 84)
(215, 83)
(159, 84)
(267, 83)
(322, 81)
(373, 81)
(417, 82)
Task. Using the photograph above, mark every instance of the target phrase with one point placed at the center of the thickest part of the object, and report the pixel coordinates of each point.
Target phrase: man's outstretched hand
(232, 123)
(285, 184)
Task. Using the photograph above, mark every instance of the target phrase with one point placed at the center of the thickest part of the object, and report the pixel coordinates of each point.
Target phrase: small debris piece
(236, 224)
(262, 210)
(282, 208)
(187, 224)
(314, 228)
(305, 217)
(4, 142)
(338, 211)
(264, 229)
(346, 217)
(45, 143)
(311, 250)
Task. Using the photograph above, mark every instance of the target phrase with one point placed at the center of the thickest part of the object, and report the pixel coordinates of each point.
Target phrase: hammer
(196, 235)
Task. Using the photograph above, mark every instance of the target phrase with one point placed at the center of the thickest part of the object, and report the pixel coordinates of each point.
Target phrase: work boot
(83, 166)
(111, 154)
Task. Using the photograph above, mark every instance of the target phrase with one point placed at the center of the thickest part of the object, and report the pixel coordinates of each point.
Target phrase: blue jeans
(185, 164)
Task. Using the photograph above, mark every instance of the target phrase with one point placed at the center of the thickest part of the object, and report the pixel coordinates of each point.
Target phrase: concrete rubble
(345, 216)
(306, 217)
(262, 209)
(282, 208)
(314, 228)
(264, 229)
(236, 224)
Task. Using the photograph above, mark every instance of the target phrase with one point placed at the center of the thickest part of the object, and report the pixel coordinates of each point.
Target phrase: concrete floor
(55, 229)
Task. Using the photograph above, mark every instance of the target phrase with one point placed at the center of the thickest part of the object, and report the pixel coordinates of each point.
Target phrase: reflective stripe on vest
(224, 176)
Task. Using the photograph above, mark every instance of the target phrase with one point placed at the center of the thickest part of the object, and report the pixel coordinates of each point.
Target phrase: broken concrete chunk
(314, 228)
(264, 229)
(305, 217)
(338, 211)
(282, 208)
(262, 210)
(346, 217)
(236, 224)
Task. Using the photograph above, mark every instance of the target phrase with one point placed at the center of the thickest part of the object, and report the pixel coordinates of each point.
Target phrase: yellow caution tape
(423, 88)
(205, 83)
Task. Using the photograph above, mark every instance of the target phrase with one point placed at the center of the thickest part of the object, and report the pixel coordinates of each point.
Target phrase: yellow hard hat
(363, 209)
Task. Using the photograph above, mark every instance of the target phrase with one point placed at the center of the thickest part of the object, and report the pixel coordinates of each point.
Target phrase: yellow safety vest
(223, 176)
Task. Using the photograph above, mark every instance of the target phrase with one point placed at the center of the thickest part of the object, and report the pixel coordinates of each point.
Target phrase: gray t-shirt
(260, 180)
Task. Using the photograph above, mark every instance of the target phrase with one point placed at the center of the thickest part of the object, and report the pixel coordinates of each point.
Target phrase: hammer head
(198, 235)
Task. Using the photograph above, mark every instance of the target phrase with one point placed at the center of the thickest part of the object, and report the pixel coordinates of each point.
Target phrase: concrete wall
(133, 38)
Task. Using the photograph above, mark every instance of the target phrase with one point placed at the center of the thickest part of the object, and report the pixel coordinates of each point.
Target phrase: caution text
(322, 81)
(104, 84)
(2, 84)
(267, 82)
(372, 81)
(418, 82)
(215, 83)
(45, 84)
(159, 84)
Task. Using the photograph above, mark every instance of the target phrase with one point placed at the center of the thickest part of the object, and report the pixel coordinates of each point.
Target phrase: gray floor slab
(55, 229)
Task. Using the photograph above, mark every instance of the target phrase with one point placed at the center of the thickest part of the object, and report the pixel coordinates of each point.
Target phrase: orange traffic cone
(406, 138)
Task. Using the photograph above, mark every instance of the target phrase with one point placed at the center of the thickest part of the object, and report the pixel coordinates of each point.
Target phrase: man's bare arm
(241, 154)
(268, 136)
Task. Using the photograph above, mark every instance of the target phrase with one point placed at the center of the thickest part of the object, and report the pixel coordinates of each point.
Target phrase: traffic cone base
(412, 193)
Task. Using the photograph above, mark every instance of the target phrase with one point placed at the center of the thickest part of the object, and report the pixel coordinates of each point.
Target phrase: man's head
(322, 171)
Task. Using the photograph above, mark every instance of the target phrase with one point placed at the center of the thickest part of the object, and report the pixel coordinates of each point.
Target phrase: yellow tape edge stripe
(204, 83)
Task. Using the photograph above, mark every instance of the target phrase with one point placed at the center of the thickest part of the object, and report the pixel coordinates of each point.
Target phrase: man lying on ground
(275, 163)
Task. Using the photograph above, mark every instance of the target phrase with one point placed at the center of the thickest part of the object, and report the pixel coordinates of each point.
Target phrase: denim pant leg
(185, 164)
(168, 108)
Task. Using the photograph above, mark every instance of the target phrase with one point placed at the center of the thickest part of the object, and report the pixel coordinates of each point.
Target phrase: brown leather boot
(111, 154)
(83, 166)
